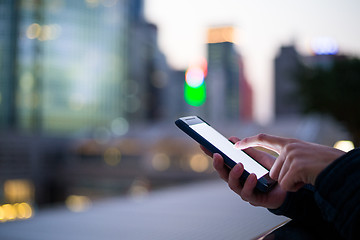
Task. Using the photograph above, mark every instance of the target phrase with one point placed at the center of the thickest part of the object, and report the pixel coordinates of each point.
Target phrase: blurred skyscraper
(148, 71)
(229, 93)
(287, 62)
(69, 66)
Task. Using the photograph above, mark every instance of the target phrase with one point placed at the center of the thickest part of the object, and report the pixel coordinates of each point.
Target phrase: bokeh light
(160, 162)
(344, 145)
(33, 31)
(76, 203)
(194, 77)
(139, 189)
(199, 163)
(18, 190)
(119, 126)
(24, 210)
(112, 156)
(324, 46)
(195, 89)
(43, 33)
(16, 211)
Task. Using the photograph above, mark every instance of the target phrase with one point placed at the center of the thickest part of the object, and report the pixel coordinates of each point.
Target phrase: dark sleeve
(301, 206)
(338, 194)
(335, 199)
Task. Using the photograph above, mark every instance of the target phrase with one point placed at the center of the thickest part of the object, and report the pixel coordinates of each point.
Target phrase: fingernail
(271, 175)
(253, 178)
(238, 168)
(237, 145)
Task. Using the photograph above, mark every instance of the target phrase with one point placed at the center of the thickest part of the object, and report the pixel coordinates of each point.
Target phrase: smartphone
(215, 142)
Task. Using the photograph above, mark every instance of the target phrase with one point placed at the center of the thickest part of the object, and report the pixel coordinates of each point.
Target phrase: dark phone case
(228, 162)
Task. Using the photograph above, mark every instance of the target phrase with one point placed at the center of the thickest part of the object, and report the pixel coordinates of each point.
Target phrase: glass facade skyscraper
(71, 64)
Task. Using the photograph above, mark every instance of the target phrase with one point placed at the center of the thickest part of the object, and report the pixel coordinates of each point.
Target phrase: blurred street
(207, 210)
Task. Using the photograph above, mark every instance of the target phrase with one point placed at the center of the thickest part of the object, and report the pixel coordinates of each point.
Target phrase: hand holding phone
(211, 139)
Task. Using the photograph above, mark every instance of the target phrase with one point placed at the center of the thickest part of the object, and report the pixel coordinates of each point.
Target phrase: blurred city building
(231, 94)
(76, 77)
(175, 105)
(71, 65)
(287, 65)
(148, 76)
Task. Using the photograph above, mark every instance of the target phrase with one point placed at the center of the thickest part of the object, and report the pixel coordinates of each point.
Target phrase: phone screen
(225, 146)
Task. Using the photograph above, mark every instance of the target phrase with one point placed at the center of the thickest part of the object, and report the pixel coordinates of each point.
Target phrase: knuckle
(261, 136)
(293, 149)
(291, 146)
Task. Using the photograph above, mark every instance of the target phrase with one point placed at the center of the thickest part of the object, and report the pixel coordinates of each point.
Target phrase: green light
(195, 96)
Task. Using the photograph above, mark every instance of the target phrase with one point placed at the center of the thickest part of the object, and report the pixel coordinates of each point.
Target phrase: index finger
(273, 143)
(206, 151)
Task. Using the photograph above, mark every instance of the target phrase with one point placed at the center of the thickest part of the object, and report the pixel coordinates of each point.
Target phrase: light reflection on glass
(221, 34)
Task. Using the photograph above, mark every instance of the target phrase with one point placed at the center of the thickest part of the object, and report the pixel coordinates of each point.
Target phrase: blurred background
(90, 90)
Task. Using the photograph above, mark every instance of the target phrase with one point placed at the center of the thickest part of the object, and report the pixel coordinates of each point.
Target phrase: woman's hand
(298, 163)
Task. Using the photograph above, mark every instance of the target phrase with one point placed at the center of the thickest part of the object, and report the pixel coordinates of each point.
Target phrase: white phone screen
(225, 146)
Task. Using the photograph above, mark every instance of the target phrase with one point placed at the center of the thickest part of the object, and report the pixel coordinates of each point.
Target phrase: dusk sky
(262, 26)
